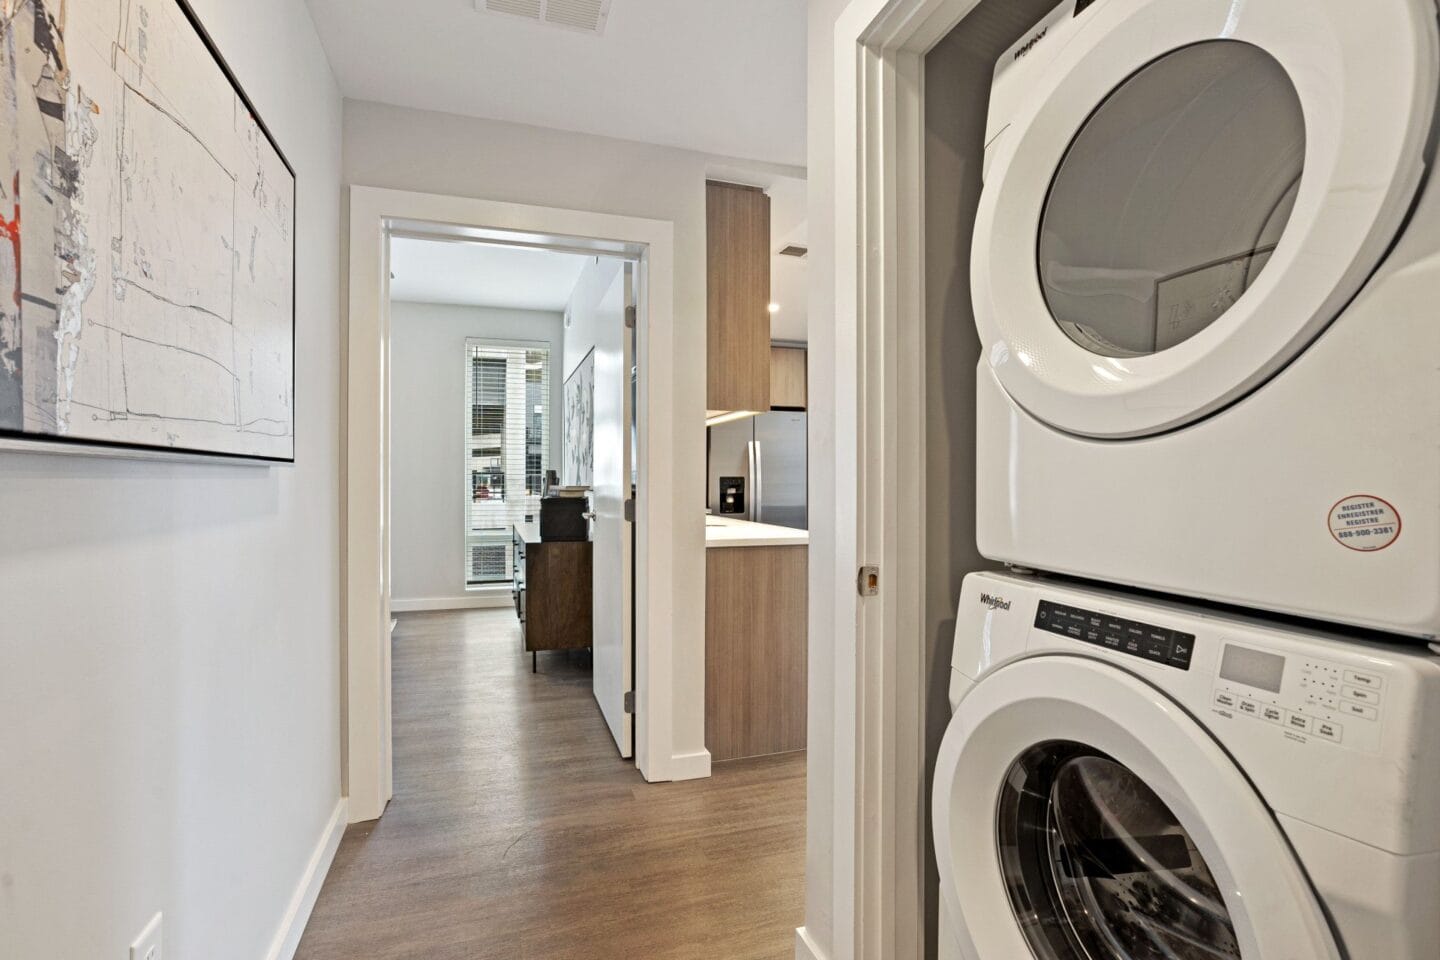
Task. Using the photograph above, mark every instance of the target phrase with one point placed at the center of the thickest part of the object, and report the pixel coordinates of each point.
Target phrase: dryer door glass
(1098, 868)
(1171, 199)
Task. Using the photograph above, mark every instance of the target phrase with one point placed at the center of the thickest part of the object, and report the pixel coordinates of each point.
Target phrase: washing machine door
(1079, 814)
(1190, 192)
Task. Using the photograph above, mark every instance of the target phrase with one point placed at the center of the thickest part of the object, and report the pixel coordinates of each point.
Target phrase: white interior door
(613, 657)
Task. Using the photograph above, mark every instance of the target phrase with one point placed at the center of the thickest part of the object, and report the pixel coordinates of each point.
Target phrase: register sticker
(1364, 523)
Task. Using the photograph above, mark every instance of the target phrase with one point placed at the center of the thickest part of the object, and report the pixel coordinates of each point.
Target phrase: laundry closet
(1181, 258)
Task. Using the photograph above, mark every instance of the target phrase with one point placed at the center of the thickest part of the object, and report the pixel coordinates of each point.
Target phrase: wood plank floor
(517, 832)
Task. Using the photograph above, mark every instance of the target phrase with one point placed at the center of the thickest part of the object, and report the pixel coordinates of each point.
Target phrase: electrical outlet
(148, 945)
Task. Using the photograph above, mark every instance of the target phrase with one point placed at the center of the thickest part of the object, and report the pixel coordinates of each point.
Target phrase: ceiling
(520, 278)
(482, 275)
(725, 78)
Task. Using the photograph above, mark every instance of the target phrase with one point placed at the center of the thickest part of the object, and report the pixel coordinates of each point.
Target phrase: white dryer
(1128, 780)
(1206, 278)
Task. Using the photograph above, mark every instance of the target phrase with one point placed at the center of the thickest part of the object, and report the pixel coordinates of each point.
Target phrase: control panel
(1173, 648)
(1308, 698)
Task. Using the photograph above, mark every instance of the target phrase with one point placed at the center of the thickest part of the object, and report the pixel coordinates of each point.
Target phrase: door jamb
(365, 742)
(879, 732)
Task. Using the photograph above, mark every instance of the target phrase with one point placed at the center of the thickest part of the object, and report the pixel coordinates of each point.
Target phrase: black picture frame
(22, 441)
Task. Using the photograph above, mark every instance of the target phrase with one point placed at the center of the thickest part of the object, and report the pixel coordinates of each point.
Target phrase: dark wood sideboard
(552, 591)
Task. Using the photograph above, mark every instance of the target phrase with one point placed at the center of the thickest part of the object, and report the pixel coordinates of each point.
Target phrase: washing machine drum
(1190, 191)
(1079, 815)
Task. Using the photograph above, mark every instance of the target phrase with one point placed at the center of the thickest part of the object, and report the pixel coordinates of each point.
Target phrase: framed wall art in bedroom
(147, 239)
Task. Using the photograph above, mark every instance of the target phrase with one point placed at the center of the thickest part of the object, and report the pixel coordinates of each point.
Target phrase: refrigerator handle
(757, 481)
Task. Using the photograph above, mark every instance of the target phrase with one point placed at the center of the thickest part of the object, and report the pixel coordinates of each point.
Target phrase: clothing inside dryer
(1172, 198)
(1099, 868)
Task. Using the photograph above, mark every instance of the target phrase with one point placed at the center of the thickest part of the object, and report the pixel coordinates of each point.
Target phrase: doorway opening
(642, 692)
(527, 346)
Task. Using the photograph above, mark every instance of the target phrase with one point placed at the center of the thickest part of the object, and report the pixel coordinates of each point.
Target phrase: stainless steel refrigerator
(766, 454)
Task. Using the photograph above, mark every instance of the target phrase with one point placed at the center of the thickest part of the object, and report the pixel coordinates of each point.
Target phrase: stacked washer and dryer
(1198, 719)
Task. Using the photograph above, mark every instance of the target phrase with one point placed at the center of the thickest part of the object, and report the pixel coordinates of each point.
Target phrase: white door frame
(879, 731)
(366, 757)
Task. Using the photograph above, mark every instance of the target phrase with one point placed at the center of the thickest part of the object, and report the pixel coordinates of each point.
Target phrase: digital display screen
(1254, 668)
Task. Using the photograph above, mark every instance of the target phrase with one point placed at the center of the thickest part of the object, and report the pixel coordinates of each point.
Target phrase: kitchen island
(730, 532)
(755, 638)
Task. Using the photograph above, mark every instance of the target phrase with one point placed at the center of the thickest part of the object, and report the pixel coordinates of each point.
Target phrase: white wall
(169, 648)
(427, 455)
(444, 154)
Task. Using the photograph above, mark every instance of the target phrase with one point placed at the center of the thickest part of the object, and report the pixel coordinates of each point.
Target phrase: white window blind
(507, 449)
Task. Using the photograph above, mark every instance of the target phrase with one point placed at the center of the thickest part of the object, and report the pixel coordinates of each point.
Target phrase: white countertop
(729, 532)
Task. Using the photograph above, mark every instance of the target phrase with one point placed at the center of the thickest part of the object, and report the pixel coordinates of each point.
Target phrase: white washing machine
(1137, 780)
(1206, 278)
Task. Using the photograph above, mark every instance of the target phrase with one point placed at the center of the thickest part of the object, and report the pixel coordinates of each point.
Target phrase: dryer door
(1079, 814)
(1191, 191)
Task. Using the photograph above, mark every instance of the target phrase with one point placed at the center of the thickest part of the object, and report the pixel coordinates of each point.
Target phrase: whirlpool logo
(994, 602)
(1030, 44)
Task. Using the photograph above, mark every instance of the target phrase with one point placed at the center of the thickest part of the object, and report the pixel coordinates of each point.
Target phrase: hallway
(516, 831)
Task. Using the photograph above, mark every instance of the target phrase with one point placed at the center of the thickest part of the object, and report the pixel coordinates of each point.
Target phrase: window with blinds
(507, 450)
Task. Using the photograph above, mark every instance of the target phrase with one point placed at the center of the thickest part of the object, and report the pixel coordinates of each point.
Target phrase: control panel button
(1250, 707)
(1181, 649)
(1367, 680)
(1273, 714)
(1359, 710)
(1298, 721)
(1361, 695)
(1226, 700)
(1147, 641)
(1155, 647)
(1329, 730)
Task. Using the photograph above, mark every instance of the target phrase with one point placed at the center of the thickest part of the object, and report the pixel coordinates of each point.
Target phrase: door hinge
(629, 701)
(631, 315)
(629, 511)
(867, 582)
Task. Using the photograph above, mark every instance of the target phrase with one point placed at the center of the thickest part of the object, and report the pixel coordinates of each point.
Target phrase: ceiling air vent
(794, 250)
(529, 9)
(587, 16)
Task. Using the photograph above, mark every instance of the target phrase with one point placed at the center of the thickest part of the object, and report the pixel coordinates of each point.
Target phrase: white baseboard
(805, 948)
(297, 914)
(690, 766)
(478, 601)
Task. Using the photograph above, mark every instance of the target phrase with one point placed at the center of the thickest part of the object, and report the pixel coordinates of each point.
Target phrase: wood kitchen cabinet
(787, 378)
(737, 227)
(756, 652)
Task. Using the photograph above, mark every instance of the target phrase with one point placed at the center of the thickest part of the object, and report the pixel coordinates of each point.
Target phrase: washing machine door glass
(1081, 813)
(1172, 198)
(1181, 195)
(1097, 866)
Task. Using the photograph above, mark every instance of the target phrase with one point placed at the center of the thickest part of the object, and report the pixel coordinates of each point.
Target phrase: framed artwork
(147, 239)
(579, 463)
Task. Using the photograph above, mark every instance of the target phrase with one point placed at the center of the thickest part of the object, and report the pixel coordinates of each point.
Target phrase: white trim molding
(302, 901)
(479, 600)
(806, 948)
(367, 605)
(879, 840)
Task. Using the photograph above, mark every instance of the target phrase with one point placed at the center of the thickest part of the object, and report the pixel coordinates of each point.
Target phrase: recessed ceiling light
(773, 308)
